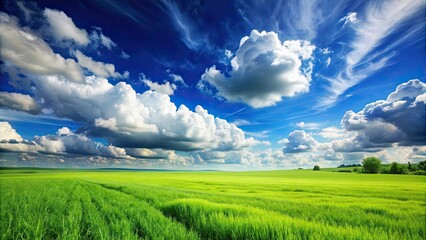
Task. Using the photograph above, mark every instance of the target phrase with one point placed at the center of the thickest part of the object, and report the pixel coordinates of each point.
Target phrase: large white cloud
(19, 102)
(130, 119)
(264, 70)
(63, 27)
(26, 51)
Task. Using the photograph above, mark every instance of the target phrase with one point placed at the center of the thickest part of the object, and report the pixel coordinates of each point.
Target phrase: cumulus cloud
(397, 121)
(63, 27)
(264, 70)
(19, 102)
(130, 119)
(99, 68)
(8, 133)
(26, 51)
(11, 141)
(299, 141)
(166, 88)
(65, 141)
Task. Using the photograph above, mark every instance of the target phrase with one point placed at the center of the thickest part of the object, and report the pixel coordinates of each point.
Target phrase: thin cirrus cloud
(380, 19)
(190, 36)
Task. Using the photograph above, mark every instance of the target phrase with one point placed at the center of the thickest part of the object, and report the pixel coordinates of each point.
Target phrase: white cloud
(299, 141)
(99, 68)
(399, 118)
(228, 53)
(65, 141)
(309, 126)
(107, 42)
(166, 88)
(241, 122)
(26, 51)
(124, 55)
(63, 27)
(19, 102)
(397, 121)
(325, 51)
(261, 134)
(349, 18)
(7, 133)
(177, 79)
(380, 20)
(11, 141)
(328, 62)
(263, 70)
(129, 119)
(98, 38)
(333, 133)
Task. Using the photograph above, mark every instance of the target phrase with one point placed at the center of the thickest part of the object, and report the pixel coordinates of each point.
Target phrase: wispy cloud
(238, 111)
(192, 38)
(379, 21)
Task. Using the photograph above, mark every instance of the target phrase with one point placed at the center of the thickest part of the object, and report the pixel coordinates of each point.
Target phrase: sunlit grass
(298, 204)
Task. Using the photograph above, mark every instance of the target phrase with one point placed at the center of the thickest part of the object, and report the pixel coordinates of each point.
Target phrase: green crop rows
(300, 204)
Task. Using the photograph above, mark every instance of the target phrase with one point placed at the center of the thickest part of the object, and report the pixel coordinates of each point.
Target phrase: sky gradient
(230, 85)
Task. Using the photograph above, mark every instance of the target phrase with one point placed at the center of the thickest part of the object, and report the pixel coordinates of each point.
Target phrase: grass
(297, 204)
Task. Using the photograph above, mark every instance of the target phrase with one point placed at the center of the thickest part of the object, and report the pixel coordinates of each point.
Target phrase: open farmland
(295, 204)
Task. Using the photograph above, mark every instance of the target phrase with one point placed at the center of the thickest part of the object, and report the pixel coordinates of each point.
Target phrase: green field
(294, 204)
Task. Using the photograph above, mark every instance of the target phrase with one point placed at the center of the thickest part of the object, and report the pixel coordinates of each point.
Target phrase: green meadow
(293, 204)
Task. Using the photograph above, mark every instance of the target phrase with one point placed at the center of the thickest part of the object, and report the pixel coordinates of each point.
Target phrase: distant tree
(371, 164)
(422, 165)
(384, 169)
(402, 169)
(341, 166)
(411, 168)
(393, 168)
(317, 168)
(355, 169)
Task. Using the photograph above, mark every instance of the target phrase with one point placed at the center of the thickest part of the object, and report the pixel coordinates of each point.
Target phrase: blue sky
(211, 85)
